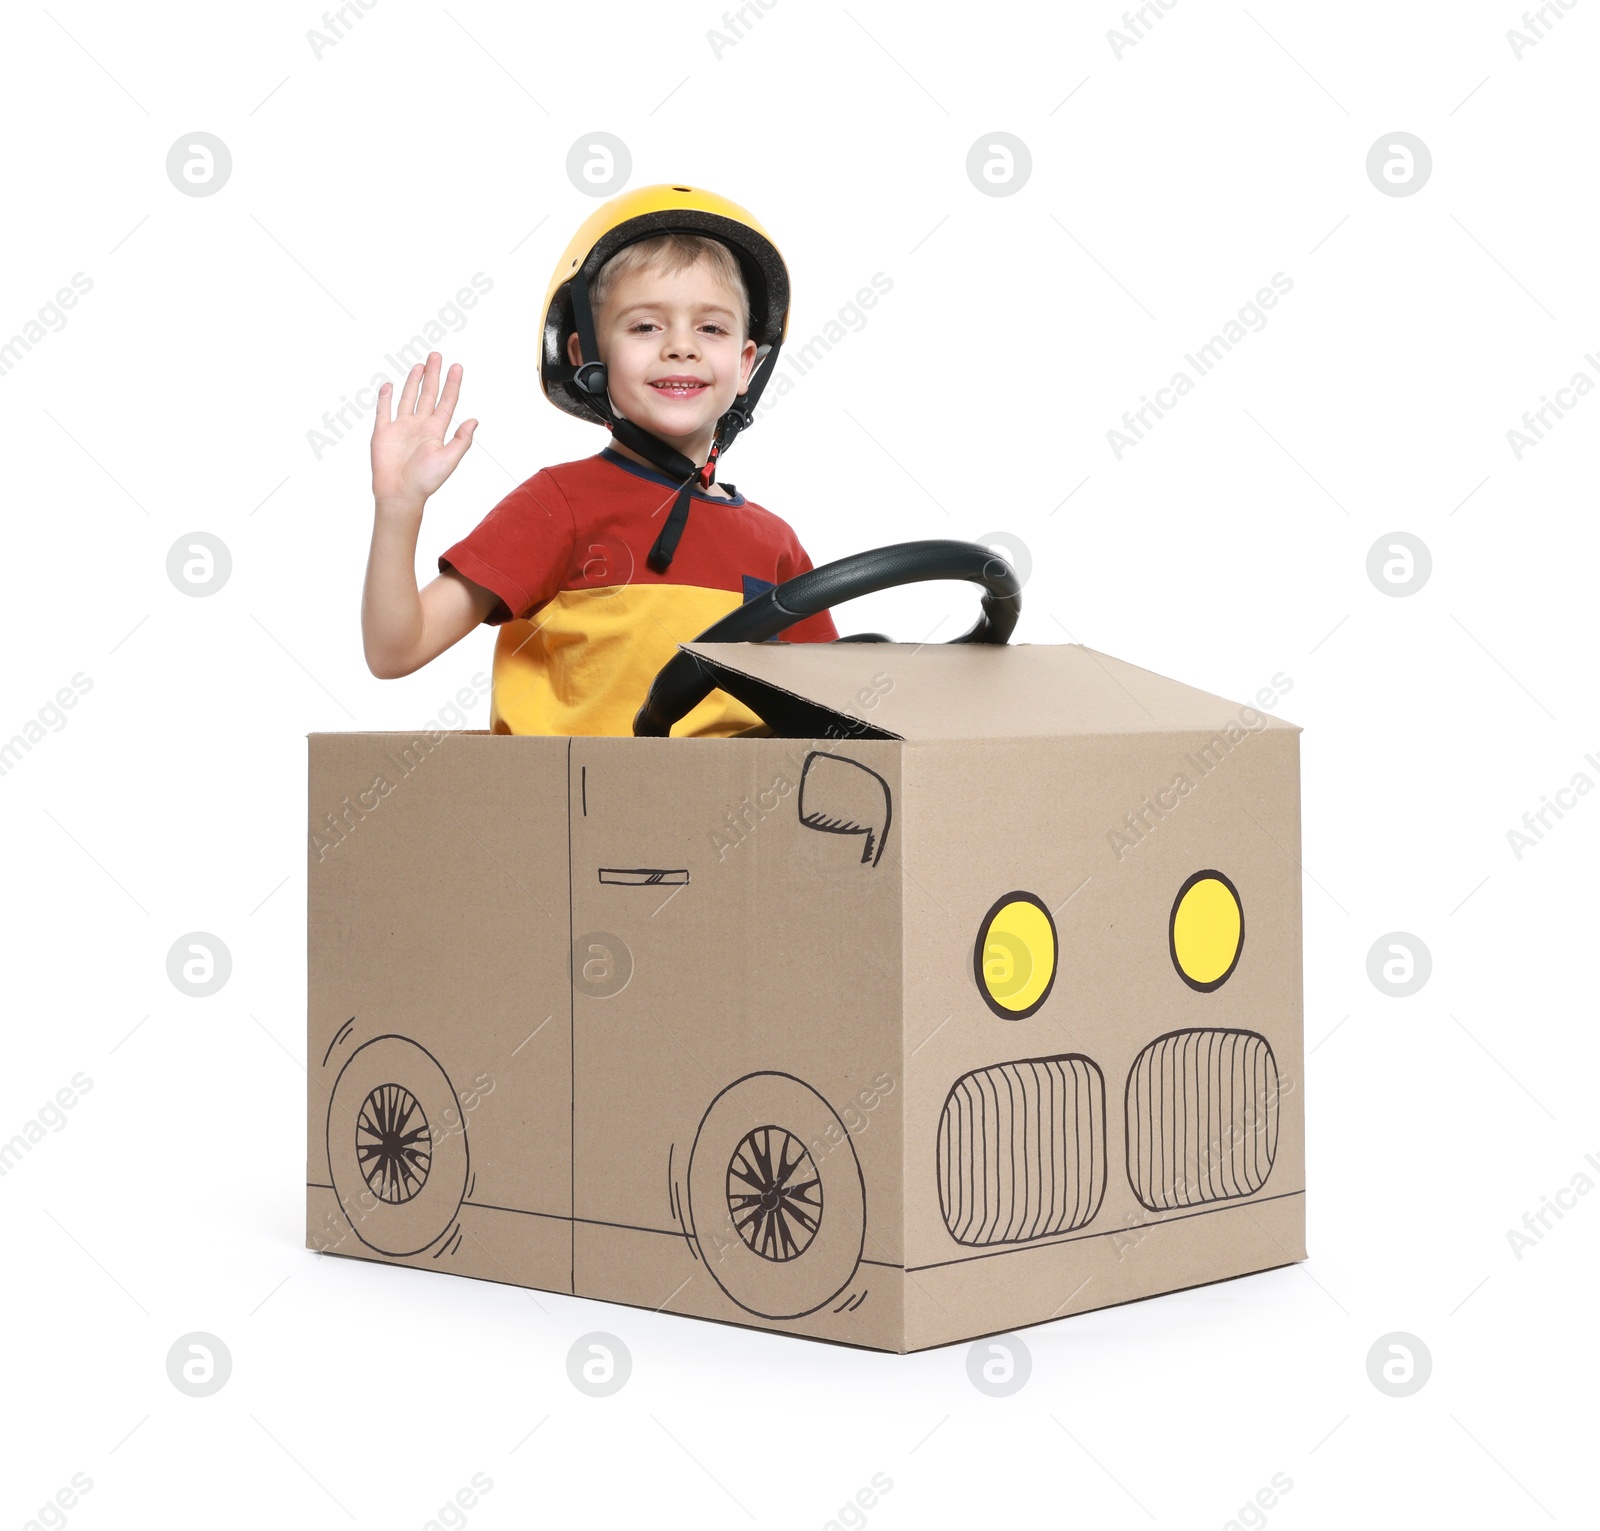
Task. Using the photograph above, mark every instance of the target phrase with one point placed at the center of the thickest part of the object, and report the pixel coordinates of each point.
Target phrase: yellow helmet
(624, 220)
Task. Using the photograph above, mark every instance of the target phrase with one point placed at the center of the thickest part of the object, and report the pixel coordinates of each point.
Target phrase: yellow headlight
(1014, 960)
(1207, 931)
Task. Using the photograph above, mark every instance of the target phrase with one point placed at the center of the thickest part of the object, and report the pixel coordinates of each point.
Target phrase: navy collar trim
(627, 464)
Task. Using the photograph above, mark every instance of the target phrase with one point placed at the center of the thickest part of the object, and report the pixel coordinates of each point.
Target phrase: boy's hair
(671, 253)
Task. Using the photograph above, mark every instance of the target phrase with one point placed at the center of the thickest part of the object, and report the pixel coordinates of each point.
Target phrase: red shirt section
(592, 523)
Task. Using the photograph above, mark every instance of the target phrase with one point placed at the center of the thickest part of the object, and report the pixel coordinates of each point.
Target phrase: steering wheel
(684, 682)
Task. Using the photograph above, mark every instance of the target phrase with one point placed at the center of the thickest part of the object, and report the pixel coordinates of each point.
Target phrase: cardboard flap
(928, 691)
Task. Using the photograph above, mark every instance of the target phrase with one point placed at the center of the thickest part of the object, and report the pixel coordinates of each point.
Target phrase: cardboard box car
(968, 999)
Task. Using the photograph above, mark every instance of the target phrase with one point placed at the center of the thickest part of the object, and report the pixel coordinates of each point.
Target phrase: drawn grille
(1202, 1110)
(1022, 1150)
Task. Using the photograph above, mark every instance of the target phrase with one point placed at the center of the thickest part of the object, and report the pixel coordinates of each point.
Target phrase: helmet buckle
(590, 377)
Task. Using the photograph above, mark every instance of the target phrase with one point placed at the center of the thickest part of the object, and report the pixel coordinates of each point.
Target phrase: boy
(662, 322)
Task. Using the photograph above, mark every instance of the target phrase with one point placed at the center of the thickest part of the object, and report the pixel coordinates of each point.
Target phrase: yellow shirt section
(584, 661)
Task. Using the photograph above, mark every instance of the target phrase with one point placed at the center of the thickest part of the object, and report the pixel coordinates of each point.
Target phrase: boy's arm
(402, 628)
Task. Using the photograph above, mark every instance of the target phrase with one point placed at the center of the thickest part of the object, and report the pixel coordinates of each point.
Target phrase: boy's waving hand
(410, 457)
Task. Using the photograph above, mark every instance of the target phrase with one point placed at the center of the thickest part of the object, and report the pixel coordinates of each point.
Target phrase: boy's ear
(574, 353)
(747, 365)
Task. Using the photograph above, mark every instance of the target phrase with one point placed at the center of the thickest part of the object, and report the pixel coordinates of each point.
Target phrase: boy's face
(675, 352)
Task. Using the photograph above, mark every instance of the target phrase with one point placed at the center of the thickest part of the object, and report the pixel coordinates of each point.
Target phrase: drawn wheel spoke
(392, 1143)
(774, 1194)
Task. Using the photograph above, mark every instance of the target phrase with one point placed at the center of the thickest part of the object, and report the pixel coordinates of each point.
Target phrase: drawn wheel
(397, 1146)
(776, 1198)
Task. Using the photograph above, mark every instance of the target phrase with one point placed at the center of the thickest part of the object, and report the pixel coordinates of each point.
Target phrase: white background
(1167, 186)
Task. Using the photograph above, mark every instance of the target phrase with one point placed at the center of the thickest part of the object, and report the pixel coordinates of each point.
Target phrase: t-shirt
(585, 622)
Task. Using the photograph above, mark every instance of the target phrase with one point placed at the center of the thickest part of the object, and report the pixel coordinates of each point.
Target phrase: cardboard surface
(893, 1041)
(977, 690)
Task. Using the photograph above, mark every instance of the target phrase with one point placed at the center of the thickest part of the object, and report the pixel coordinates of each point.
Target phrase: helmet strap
(589, 377)
(676, 466)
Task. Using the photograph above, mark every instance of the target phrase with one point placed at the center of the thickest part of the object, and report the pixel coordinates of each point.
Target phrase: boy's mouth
(680, 387)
